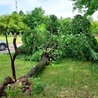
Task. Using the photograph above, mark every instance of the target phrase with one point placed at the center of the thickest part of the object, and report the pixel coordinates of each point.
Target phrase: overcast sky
(57, 7)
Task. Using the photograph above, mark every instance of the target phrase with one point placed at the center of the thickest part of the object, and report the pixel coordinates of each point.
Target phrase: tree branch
(7, 38)
(14, 56)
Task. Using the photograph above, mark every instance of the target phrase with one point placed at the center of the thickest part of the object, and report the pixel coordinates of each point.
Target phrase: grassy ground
(10, 39)
(96, 36)
(69, 79)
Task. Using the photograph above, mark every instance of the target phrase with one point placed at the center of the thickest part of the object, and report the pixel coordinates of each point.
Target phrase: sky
(60, 8)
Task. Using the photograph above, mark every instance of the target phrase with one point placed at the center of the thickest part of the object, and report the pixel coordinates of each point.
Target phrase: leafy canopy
(87, 6)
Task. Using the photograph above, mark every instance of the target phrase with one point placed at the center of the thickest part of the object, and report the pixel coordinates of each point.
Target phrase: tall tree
(87, 6)
(53, 24)
(3, 20)
(65, 25)
(16, 24)
(21, 13)
(34, 18)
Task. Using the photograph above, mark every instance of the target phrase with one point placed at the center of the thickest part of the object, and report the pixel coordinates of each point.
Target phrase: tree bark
(45, 60)
(13, 58)
(40, 66)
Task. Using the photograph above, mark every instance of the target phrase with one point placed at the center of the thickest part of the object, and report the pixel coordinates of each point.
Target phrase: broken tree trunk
(45, 60)
(8, 80)
(14, 57)
(40, 66)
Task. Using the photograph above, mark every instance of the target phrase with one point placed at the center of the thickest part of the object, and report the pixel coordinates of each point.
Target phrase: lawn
(69, 79)
(10, 39)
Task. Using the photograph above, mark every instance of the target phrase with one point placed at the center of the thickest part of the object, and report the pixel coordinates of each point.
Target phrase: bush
(77, 46)
(94, 27)
(80, 25)
(37, 55)
(78, 43)
(35, 39)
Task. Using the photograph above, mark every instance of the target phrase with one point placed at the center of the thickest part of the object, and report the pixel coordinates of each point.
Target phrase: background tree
(3, 20)
(53, 24)
(87, 6)
(21, 13)
(34, 18)
(80, 25)
(94, 27)
(65, 25)
(16, 24)
(42, 32)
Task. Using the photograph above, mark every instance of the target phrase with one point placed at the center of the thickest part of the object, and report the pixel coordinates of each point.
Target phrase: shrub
(77, 43)
(35, 39)
(80, 25)
(77, 46)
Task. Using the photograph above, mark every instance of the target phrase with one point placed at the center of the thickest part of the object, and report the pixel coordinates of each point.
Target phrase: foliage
(65, 26)
(87, 6)
(78, 46)
(16, 24)
(37, 55)
(77, 42)
(3, 22)
(34, 18)
(73, 36)
(53, 24)
(74, 40)
(21, 13)
(80, 25)
(33, 40)
(94, 27)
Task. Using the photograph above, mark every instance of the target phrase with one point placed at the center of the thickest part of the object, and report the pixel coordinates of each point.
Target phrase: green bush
(94, 27)
(77, 43)
(80, 25)
(37, 55)
(77, 46)
(35, 39)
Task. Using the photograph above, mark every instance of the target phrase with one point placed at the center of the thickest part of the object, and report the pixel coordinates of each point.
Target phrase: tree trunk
(45, 60)
(40, 66)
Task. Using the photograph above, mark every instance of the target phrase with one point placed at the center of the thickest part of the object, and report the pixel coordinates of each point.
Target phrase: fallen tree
(40, 66)
(13, 82)
(35, 70)
(24, 80)
(45, 60)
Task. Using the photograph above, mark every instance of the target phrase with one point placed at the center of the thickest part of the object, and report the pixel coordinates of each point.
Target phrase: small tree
(12, 58)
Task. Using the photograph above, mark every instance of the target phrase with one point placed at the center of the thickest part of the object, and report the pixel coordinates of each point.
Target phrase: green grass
(10, 39)
(69, 79)
(96, 37)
